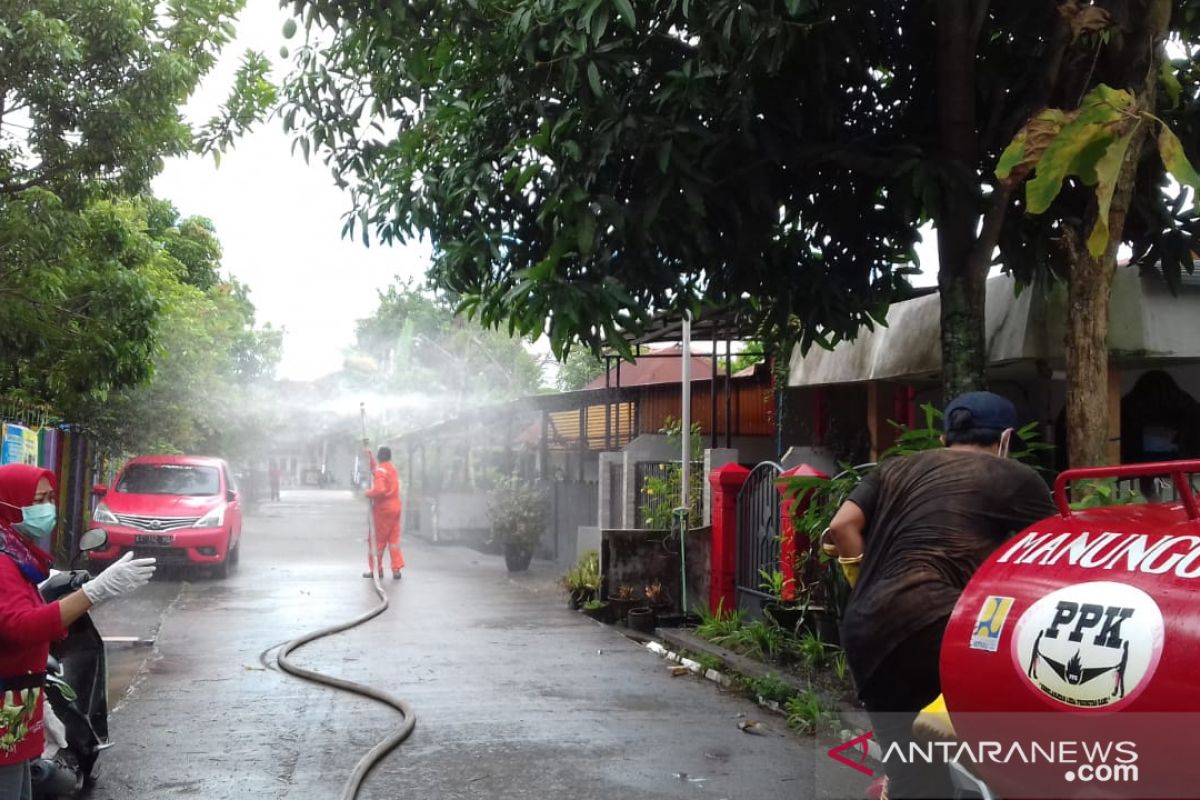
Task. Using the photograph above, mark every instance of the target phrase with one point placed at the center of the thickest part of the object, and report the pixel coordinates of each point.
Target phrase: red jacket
(27, 626)
(385, 488)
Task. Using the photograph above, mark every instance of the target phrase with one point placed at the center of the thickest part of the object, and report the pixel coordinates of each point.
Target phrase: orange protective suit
(385, 512)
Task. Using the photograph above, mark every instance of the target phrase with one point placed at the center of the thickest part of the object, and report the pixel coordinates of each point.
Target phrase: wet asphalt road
(516, 697)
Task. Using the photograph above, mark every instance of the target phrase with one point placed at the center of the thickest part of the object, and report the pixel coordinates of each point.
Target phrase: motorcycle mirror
(95, 539)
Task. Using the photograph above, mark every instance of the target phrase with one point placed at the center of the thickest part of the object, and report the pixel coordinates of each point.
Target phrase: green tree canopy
(89, 107)
(208, 389)
(580, 164)
(578, 369)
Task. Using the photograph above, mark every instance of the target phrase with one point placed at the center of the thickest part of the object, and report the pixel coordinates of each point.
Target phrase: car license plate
(154, 540)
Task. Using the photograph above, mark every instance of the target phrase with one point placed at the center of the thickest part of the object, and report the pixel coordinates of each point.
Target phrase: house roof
(659, 367)
(1147, 325)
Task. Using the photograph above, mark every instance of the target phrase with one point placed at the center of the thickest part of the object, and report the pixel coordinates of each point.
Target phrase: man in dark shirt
(910, 536)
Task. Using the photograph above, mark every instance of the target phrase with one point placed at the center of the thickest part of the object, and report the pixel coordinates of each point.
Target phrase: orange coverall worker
(385, 511)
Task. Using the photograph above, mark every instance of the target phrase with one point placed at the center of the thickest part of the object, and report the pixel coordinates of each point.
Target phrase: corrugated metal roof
(1147, 323)
(665, 366)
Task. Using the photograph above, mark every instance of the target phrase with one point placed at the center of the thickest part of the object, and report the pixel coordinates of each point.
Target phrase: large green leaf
(1170, 149)
(594, 79)
(625, 9)
(1081, 142)
(1029, 144)
(1108, 170)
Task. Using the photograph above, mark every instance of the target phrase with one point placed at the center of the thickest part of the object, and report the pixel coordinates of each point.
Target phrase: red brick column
(726, 482)
(788, 546)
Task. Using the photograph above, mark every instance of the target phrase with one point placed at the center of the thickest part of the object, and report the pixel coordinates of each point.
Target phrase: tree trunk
(1089, 287)
(964, 346)
(1089, 278)
(961, 279)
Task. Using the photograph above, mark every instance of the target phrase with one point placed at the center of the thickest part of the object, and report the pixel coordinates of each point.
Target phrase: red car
(183, 510)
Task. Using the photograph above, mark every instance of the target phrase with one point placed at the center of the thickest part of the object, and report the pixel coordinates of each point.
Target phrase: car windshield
(179, 479)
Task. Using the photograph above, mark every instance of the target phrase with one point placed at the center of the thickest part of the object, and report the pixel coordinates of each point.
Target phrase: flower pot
(642, 619)
(621, 607)
(825, 625)
(602, 614)
(786, 617)
(578, 597)
(517, 557)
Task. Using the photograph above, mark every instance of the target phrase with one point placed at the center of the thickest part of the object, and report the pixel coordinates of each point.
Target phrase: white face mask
(1005, 440)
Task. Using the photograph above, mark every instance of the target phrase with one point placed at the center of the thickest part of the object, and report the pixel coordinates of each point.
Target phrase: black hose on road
(376, 753)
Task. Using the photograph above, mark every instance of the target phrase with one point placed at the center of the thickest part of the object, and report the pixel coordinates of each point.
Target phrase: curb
(853, 720)
(695, 667)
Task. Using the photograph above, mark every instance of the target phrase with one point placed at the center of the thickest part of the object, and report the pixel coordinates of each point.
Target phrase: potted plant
(570, 582)
(517, 511)
(656, 596)
(599, 610)
(786, 614)
(644, 618)
(583, 580)
(623, 601)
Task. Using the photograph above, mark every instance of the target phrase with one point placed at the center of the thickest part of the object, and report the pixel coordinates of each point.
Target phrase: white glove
(123, 575)
(56, 732)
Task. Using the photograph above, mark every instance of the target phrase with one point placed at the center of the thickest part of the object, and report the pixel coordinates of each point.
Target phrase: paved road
(516, 696)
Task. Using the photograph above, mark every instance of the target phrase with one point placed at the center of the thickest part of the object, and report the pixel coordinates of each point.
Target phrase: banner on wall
(20, 445)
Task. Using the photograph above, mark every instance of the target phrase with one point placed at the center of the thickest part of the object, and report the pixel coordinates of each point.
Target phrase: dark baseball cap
(988, 411)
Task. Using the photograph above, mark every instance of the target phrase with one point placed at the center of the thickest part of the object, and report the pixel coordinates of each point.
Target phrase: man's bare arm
(847, 529)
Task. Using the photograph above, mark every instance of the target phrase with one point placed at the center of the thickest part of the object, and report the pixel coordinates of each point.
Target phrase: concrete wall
(452, 518)
(572, 507)
(608, 489)
(713, 459)
(638, 558)
(755, 449)
(462, 518)
(821, 458)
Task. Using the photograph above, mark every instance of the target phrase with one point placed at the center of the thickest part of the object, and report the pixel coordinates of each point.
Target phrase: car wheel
(222, 570)
(235, 555)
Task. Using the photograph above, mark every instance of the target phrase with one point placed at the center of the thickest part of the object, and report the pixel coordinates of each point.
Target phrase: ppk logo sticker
(1090, 645)
(990, 623)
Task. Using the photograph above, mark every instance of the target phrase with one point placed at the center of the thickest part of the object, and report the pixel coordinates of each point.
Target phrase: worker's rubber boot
(395, 574)
(368, 574)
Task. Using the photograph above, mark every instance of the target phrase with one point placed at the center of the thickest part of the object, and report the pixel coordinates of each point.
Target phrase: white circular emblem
(1090, 645)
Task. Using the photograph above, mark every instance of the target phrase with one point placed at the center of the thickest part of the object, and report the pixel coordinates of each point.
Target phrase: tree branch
(1000, 129)
(980, 257)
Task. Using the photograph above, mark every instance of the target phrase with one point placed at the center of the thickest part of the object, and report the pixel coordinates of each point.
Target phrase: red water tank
(1084, 626)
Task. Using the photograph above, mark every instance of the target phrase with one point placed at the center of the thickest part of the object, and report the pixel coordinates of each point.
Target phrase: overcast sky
(279, 222)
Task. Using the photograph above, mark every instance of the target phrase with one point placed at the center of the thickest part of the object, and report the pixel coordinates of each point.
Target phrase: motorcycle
(76, 694)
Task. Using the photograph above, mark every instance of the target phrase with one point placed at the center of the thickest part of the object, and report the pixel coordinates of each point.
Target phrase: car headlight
(103, 516)
(213, 519)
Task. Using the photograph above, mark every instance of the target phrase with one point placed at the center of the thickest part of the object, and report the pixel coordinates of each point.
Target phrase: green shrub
(760, 640)
(771, 689)
(807, 712)
(719, 627)
(517, 511)
(812, 650)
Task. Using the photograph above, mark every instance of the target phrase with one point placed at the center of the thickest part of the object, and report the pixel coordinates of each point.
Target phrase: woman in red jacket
(27, 624)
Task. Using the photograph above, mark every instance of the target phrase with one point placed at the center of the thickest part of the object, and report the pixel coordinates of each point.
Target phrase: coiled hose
(376, 753)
